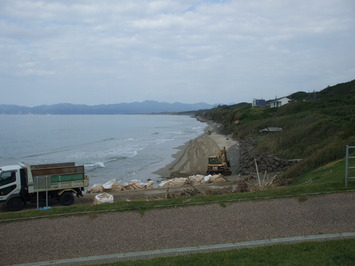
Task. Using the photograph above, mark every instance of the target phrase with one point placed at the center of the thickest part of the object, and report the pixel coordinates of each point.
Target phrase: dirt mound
(192, 158)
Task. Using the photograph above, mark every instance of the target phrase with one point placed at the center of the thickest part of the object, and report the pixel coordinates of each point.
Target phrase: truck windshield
(7, 177)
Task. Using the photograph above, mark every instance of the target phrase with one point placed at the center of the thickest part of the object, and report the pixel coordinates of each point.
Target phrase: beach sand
(191, 159)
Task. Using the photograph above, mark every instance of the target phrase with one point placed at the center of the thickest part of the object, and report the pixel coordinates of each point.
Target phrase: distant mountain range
(146, 107)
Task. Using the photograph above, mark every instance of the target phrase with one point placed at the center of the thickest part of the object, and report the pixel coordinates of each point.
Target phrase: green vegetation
(326, 174)
(334, 252)
(314, 131)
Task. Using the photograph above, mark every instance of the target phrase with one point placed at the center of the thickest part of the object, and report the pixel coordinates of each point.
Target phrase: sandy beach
(191, 159)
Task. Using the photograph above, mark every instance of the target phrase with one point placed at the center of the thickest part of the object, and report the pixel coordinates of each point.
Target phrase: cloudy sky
(110, 51)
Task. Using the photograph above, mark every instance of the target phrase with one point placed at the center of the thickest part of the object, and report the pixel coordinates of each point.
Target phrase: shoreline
(191, 158)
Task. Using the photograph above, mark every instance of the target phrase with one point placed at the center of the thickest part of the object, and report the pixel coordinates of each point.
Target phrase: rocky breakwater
(251, 161)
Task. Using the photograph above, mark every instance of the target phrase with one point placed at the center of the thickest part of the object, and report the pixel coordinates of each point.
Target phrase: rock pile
(264, 162)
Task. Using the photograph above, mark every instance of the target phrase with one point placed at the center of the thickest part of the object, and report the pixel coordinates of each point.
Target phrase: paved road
(89, 235)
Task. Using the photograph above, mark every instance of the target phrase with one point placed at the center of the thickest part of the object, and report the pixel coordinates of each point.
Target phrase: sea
(122, 147)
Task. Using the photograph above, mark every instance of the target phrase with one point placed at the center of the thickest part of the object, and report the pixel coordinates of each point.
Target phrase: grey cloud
(168, 50)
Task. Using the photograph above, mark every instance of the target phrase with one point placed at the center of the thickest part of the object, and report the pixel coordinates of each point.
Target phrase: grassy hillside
(315, 131)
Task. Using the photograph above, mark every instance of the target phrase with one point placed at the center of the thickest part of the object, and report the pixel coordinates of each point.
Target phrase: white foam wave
(160, 141)
(177, 132)
(198, 129)
(95, 165)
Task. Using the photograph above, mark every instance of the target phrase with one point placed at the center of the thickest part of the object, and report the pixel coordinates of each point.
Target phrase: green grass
(334, 252)
(326, 174)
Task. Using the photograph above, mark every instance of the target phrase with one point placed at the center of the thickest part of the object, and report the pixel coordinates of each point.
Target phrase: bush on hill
(314, 131)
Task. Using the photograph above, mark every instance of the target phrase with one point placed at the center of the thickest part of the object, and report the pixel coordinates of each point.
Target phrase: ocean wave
(116, 158)
(160, 141)
(177, 132)
(95, 165)
(198, 128)
(122, 152)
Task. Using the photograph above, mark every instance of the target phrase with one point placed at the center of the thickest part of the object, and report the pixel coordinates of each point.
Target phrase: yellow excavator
(219, 164)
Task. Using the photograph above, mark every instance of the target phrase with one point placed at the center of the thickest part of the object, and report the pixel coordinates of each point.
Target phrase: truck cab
(13, 185)
(9, 180)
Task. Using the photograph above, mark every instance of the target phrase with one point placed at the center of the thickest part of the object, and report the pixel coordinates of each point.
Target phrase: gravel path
(98, 234)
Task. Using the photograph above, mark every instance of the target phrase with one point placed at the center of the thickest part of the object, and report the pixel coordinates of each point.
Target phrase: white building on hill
(279, 102)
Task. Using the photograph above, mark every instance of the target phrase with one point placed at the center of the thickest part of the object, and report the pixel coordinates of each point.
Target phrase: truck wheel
(67, 198)
(15, 204)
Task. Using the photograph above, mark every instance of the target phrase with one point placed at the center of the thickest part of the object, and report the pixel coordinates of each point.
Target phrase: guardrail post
(347, 164)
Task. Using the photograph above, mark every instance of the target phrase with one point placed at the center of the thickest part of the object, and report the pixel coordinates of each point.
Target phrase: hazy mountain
(146, 107)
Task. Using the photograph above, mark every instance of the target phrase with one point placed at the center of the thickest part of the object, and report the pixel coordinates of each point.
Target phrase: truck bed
(58, 176)
(58, 171)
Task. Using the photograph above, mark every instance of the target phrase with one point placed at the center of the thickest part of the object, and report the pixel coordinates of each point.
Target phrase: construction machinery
(219, 164)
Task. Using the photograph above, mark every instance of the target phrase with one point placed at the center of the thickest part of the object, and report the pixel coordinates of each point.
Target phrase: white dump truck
(23, 183)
